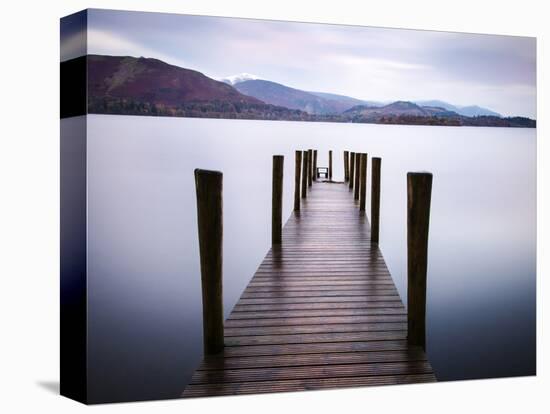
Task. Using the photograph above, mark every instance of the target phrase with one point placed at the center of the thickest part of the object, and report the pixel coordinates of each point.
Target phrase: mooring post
(419, 192)
(210, 222)
(351, 170)
(298, 169)
(375, 200)
(310, 167)
(346, 166)
(314, 165)
(277, 200)
(363, 189)
(330, 165)
(357, 175)
(304, 173)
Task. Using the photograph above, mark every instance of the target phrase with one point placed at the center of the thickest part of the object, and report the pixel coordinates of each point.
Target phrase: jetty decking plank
(335, 358)
(313, 371)
(323, 347)
(243, 388)
(315, 320)
(318, 313)
(314, 338)
(321, 311)
(318, 294)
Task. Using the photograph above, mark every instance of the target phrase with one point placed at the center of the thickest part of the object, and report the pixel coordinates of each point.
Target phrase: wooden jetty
(321, 311)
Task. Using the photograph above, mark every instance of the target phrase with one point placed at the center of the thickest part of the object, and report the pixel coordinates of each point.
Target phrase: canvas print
(256, 206)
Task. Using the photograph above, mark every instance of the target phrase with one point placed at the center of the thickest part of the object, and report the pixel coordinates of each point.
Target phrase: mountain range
(147, 86)
(398, 108)
(471, 110)
(281, 95)
(319, 103)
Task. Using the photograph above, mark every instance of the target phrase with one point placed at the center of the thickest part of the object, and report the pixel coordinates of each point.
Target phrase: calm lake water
(145, 327)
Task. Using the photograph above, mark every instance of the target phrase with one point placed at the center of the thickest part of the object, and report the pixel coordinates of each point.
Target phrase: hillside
(346, 101)
(281, 95)
(145, 86)
(153, 80)
(398, 108)
(471, 110)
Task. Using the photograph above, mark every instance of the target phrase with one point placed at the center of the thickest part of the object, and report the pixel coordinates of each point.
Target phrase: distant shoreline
(314, 119)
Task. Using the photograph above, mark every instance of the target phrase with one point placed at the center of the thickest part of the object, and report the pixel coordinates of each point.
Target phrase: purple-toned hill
(127, 85)
(154, 81)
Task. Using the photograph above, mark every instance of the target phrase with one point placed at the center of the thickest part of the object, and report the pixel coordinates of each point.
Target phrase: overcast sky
(498, 72)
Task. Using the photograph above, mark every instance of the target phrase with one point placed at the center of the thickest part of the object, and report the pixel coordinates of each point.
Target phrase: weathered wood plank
(316, 328)
(311, 306)
(329, 358)
(292, 283)
(313, 320)
(330, 299)
(256, 294)
(321, 290)
(318, 313)
(204, 390)
(315, 371)
(316, 348)
(314, 338)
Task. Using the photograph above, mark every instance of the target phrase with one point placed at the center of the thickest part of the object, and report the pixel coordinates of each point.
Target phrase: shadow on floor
(51, 386)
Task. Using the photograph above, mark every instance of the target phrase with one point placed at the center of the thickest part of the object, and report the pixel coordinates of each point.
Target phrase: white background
(29, 204)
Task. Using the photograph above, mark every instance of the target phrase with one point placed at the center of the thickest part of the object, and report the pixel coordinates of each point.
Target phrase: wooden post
(351, 170)
(363, 181)
(419, 191)
(350, 167)
(298, 169)
(330, 165)
(346, 166)
(277, 200)
(210, 222)
(310, 167)
(304, 173)
(314, 165)
(357, 175)
(375, 200)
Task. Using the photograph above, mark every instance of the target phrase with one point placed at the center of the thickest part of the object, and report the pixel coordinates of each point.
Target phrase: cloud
(73, 45)
(377, 64)
(364, 62)
(103, 42)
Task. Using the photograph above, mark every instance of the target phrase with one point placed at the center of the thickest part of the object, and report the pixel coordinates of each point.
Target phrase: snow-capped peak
(233, 80)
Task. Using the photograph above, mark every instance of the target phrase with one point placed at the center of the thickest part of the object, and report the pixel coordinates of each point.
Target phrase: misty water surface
(144, 304)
